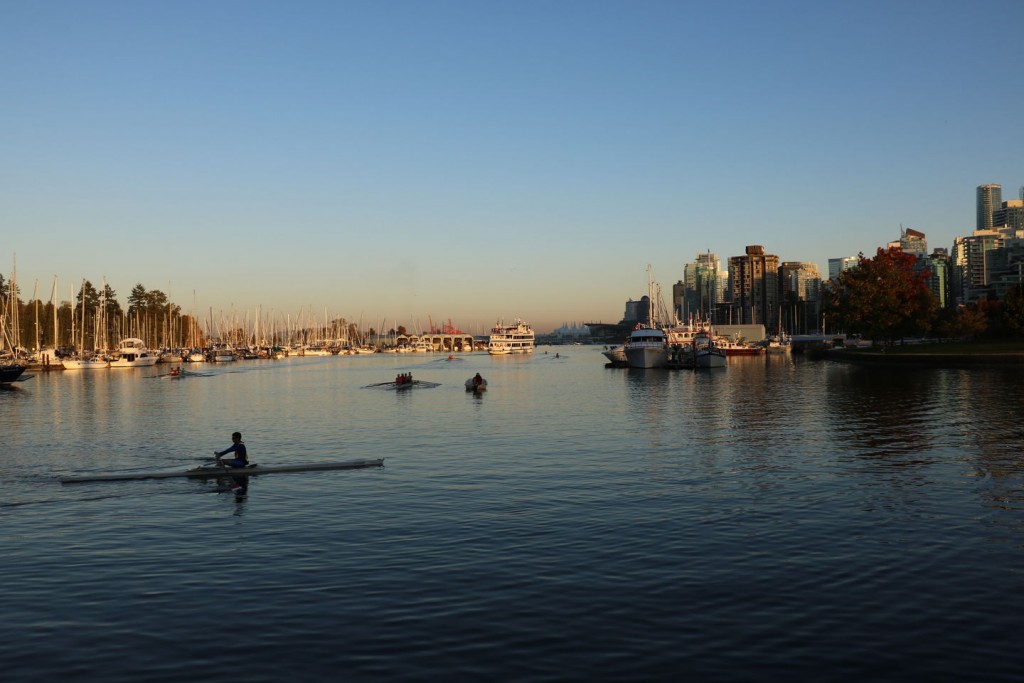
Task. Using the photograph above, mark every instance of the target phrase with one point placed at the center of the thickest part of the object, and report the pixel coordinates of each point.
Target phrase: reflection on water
(779, 519)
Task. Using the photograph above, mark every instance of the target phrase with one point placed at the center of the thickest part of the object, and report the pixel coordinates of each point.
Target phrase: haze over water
(782, 519)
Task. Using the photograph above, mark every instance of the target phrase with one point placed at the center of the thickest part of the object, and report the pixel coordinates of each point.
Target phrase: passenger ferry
(507, 339)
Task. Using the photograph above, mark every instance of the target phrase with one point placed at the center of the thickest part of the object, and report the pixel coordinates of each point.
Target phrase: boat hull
(646, 357)
(71, 364)
(206, 472)
(140, 362)
(11, 373)
(709, 359)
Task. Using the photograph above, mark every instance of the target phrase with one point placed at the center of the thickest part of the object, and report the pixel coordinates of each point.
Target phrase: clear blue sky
(482, 160)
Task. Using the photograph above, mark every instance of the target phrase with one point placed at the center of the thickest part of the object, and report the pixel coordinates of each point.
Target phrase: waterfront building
(636, 312)
(838, 265)
(989, 199)
(974, 259)
(801, 293)
(702, 288)
(754, 288)
(938, 265)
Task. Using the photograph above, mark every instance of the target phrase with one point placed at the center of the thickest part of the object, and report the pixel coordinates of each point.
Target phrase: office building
(754, 288)
(990, 198)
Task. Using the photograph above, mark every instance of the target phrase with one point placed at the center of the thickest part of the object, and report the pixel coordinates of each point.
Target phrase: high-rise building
(754, 286)
(913, 242)
(838, 265)
(938, 265)
(1010, 214)
(974, 259)
(702, 287)
(990, 198)
(801, 297)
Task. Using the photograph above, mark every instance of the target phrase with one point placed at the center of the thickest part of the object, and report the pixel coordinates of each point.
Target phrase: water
(778, 520)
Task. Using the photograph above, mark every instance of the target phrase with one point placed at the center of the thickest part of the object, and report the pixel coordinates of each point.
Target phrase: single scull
(249, 471)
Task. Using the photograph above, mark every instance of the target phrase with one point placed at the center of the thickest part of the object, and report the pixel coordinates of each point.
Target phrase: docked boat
(739, 348)
(779, 345)
(12, 373)
(510, 339)
(616, 355)
(91, 363)
(421, 346)
(132, 353)
(647, 347)
(706, 352)
(224, 354)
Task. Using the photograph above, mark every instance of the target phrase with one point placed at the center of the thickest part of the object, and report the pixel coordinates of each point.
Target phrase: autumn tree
(1013, 312)
(884, 298)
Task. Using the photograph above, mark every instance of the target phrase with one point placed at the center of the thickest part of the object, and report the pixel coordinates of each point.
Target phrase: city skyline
(479, 161)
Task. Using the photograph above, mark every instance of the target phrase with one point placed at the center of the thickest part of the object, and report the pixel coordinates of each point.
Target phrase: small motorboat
(476, 384)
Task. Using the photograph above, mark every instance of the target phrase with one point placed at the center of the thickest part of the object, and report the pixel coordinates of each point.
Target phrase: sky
(413, 161)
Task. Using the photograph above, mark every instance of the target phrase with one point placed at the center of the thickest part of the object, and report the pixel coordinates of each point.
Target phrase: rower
(241, 458)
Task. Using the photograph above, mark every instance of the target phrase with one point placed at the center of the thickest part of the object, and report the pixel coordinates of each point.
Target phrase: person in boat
(477, 380)
(241, 458)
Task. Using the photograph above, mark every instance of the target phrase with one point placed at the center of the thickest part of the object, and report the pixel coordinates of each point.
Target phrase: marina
(784, 515)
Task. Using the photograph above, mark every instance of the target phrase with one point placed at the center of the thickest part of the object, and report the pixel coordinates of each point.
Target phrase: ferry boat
(509, 339)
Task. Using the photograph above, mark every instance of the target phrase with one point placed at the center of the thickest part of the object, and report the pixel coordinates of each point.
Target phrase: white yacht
(647, 347)
(132, 353)
(616, 355)
(509, 339)
(89, 363)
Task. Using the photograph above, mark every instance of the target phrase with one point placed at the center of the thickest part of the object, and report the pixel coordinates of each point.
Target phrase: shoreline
(931, 360)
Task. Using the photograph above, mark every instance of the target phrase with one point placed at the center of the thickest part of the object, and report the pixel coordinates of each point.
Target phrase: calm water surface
(778, 520)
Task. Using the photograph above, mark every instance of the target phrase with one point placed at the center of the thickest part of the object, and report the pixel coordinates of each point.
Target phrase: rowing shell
(252, 470)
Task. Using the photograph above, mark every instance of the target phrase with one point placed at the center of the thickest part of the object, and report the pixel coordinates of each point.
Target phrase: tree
(884, 298)
(136, 300)
(1013, 312)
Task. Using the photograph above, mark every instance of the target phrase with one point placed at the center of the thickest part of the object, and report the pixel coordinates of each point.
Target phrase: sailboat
(780, 343)
(83, 362)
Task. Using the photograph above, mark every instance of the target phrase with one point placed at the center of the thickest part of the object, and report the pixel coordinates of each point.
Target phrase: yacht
(647, 347)
(510, 339)
(88, 363)
(616, 355)
(132, 353)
